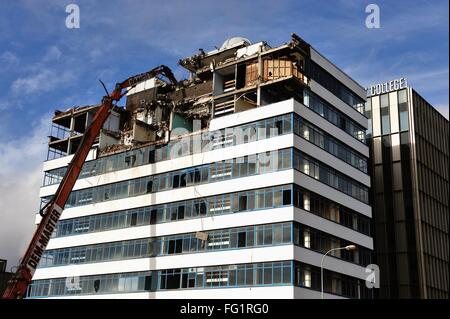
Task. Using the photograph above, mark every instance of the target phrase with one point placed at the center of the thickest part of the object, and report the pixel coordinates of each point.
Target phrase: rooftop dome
(234, 41)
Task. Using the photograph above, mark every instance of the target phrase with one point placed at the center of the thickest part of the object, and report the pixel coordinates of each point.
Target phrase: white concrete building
(271, 176)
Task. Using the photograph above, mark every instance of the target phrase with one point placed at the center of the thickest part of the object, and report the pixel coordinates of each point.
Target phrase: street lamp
(349, 247)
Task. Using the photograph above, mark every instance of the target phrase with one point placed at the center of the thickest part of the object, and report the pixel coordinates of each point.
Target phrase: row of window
(259, 274)
(387, 113)
(263, 198)
(228, 169)
(231, 238)
(204, 142)
(331, 114)
(308, 276)
(224, 239)
(330, 210)
(242, 275)
(333, 85)
(234, 168)
(330, 176)
(322, 242)
(325, 141)
(207, 141)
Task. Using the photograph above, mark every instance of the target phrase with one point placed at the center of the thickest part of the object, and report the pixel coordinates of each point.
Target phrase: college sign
(387, 87)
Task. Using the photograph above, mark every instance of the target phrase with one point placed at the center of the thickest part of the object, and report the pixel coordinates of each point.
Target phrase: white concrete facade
(279, 252)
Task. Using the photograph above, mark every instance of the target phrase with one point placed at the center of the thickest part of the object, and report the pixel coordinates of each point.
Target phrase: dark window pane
(241, 239)
(287, 197)
(242, 203)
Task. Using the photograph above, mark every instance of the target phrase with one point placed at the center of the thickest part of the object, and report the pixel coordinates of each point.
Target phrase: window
(133, 219)
(305, 166)
(307, 278)
(287, 233)
(200, 208)
(306, 239)
(306, 203)
(242, 203)
(243, 165)
(269, 198)
(277, 234)
(385, 124)
(130, 160)
(251, 164)
(97, 285)
(180, 212)
(183, 180)
(153, 216)
(267, 235)
(267, 274)
(197, 176)
(287, 197)
(242, 236)
(147, 282)
(162, 183)
(188, 280)
(277, 197)
(149, 186)
(279, 126)
(173, 213)
(260, 199)
(175, 181)
(403, 110)
(173, 281)
(151, 156)
(175, 246)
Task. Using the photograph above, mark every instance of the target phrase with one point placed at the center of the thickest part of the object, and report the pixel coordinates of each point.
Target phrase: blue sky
(45, 66)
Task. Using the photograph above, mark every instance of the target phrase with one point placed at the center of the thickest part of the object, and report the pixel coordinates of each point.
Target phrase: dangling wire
(104, 87)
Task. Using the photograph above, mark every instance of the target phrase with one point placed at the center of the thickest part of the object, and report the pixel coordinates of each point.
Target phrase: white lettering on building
(387, 87)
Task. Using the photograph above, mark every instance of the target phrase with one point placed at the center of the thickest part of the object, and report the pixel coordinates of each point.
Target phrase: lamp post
(349, 247)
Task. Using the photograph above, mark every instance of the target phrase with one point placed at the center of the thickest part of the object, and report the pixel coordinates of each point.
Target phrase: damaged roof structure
(236, 77)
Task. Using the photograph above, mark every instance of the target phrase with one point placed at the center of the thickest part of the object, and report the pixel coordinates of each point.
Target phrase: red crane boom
(51, 212)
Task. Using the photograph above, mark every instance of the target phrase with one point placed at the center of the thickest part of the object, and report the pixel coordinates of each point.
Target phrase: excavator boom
(51, 212)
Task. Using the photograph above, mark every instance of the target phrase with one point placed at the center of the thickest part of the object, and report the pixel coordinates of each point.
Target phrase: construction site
(239, 177)
(237, 77)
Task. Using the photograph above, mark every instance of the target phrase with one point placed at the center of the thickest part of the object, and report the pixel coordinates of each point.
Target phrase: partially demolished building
(240, 177)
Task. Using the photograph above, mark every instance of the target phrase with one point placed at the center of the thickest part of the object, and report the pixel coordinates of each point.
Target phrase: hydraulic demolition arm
(51, 212)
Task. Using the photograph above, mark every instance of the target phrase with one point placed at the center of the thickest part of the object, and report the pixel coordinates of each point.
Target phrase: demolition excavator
(51, 212)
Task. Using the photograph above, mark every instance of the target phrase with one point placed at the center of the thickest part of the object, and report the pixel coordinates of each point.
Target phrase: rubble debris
(236, 77)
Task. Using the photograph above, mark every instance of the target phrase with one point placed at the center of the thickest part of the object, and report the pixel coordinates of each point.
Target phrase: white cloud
(4, 105)
(43, 81)
(53, 54)
(21, 177)
(44, 75)
(8, 59)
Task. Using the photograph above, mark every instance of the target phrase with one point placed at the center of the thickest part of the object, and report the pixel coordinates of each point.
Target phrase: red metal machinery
(51, 212)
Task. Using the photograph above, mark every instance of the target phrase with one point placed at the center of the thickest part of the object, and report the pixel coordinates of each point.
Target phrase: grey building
(408, 139)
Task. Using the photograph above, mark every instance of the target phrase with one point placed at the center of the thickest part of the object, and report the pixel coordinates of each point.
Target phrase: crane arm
(51, 212)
